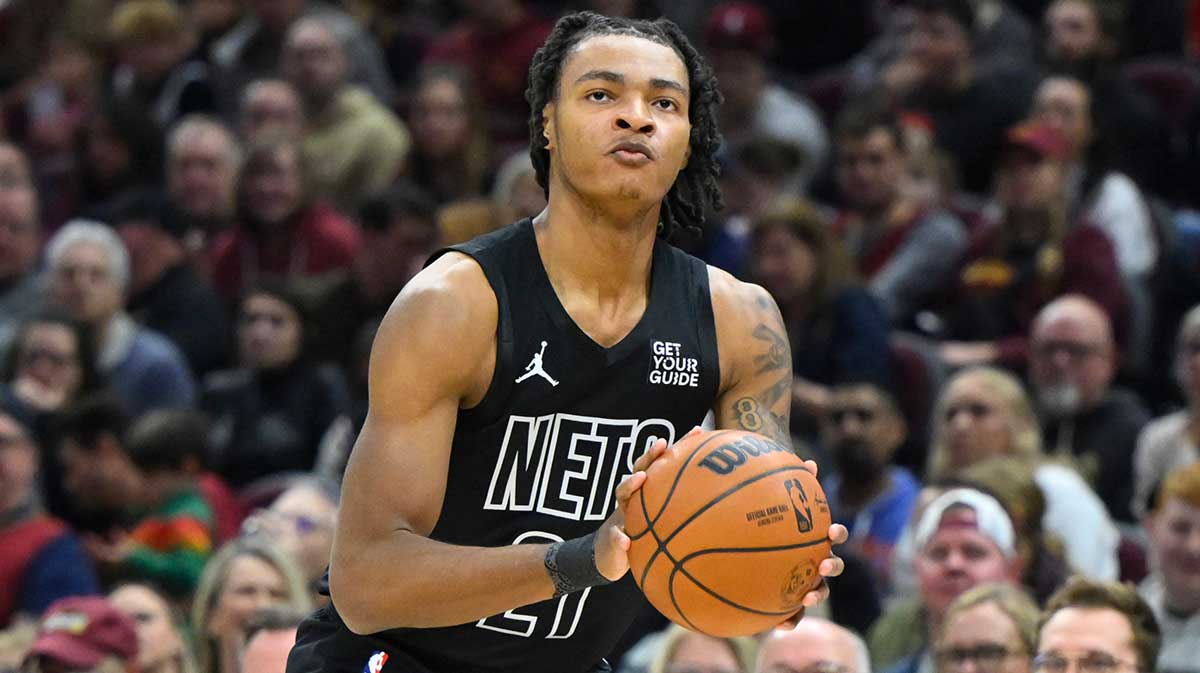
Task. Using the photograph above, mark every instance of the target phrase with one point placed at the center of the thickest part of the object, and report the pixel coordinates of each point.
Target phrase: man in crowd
(905, 250)
(20, 235)
(203, 159)
(89, 277)
(1072, 362)
(356, 146)
(82, 634)
(1098, 626)
(1173, 589)
(815, 644)
(270, 635)
(269, 105)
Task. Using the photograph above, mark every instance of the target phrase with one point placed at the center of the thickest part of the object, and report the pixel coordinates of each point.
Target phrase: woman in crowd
(451, 157)
(243, 576)
(984, 413)
(1171, 441)
(271, 413)
(993, 627)
(281, 230)
(683, 651)
(162, 645)
(837, 330)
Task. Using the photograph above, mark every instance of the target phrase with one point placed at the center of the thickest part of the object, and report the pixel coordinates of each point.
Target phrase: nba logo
(376, 662)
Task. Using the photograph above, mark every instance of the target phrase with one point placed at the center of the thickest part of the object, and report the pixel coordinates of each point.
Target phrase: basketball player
(522, 383)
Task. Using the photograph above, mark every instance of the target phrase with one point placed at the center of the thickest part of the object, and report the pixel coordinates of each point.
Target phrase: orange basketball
(728, 531)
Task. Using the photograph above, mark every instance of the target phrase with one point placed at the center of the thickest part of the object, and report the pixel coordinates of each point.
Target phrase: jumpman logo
(534, 368)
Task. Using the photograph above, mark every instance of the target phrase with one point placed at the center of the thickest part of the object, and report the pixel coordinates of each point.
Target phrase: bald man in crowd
(815, 644)
(356, 145)
(1072, 363)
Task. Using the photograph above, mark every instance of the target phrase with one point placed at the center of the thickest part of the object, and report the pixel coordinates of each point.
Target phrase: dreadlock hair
(696, 188)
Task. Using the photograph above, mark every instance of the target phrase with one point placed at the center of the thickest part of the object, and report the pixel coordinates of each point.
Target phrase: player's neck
(603, 254)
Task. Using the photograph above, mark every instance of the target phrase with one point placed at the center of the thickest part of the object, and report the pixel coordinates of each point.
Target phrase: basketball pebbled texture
(727, 533)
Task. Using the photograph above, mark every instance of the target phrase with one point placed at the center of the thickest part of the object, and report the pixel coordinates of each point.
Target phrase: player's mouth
(632, 153)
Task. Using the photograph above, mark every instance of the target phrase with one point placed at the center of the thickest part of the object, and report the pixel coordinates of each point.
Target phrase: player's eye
(666, 104)
(599, 96)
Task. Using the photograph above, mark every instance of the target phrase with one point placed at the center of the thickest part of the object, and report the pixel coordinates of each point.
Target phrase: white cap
(990, 518)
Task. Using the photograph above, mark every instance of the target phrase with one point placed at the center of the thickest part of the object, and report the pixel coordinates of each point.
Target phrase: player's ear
(548, 125)
(687, 154)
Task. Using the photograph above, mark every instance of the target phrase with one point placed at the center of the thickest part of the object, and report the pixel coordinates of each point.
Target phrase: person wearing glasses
(1173, 589)
(1097, 627)
(300, 521)
(815, 646)
(1072, 362)
(868, 494)
(991, 629)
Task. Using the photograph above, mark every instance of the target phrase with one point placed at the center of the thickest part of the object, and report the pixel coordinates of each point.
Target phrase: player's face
(619, 129)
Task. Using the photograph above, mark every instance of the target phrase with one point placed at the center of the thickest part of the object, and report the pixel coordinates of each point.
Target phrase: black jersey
(539, 458)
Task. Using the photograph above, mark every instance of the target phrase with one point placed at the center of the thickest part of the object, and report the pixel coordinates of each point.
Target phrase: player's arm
(756, 378)
(384, 571)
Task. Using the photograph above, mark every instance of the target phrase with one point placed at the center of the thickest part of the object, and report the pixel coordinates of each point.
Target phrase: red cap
(1044, 141)
(739, 25)
(80, 631)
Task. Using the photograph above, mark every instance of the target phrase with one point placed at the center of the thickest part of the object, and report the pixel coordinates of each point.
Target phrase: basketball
(727, 533)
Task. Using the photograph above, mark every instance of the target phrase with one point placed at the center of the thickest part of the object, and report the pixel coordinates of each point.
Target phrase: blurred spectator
(993, 627)
(281, 229)
(1097, 625)
(814, 644)
(1012, 480)
(251, 49)
(460, 221)
(148, 476)
(121, 153)
(1085, 418)
(838, 331)
(20, 239)
(272, 412)
(165, 292)
(906, 251)
(162, 643)
(399, 233)
(1031, 255)
(984, 414)
(203, 158)
(1081, 40)
(300, 522)
(241, 578)
(154, 69)
(970, 109)
(964, 538)
(739, 42)
(451, 155)
(211, 19)
(43, 560)
(270, 635)
(50, 363)
(1099, 195)
(270, 107)
(84, 634)
(1170, 442)
(874, 499)
(516, 187)
(1173, 589)
(495, 42)
(682, 651)
(355, 146)
(89, 274)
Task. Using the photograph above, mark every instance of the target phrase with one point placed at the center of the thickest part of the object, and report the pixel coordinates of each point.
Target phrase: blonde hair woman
(994, 626)
(985, 413)
(243, 576)
(683, 651)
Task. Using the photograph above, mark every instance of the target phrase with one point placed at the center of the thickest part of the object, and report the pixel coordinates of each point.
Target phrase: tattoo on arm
(767, 411)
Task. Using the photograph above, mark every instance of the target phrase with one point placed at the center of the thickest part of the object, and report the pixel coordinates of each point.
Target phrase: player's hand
(612, 544)
(830, 567)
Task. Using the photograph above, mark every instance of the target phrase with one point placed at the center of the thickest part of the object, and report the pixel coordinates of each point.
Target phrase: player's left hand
(830, 567)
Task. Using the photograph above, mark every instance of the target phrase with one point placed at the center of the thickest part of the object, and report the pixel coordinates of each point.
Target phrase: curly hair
(696, 189)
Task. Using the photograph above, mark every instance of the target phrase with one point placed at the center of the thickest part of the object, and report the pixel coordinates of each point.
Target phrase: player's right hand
(612, 544)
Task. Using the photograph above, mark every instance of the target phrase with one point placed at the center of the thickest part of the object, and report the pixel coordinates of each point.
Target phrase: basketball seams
(710, 592)
(751, 550)
(679, 475)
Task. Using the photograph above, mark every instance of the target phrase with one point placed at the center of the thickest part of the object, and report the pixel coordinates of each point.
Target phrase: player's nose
(635, 117)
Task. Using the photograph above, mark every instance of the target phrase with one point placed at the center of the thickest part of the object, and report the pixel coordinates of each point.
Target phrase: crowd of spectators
(979, 218)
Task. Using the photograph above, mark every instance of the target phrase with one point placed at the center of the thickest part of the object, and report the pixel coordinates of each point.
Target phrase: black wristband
(572, 565)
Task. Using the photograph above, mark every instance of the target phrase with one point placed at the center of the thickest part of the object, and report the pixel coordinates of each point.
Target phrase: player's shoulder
(450, 300)
(733, 299)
